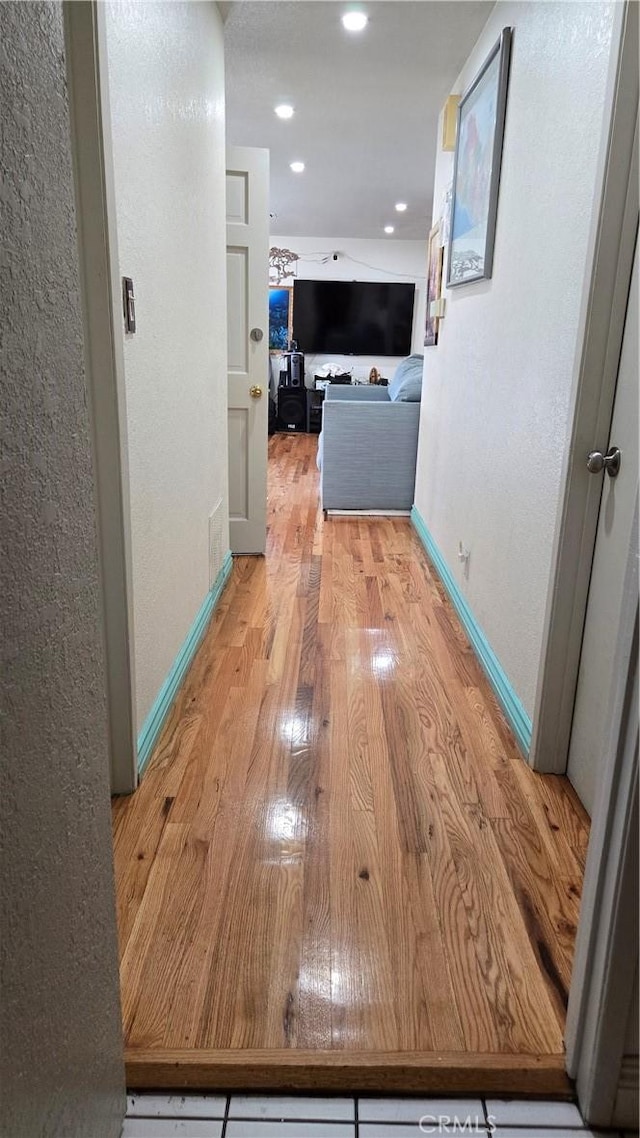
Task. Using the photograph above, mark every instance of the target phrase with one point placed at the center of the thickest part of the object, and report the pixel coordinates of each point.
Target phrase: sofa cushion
(360, 393)
(406, 385)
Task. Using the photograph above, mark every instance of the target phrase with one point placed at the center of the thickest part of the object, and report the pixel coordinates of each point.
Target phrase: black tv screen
(353, 318)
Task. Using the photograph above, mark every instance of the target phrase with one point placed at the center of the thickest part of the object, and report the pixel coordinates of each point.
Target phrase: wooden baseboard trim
(380, 1071)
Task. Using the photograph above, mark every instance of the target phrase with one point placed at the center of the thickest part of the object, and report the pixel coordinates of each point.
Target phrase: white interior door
(248, 345)
(618, 513)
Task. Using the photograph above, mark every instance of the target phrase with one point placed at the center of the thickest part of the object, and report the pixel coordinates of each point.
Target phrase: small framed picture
(476, 171)
(435, 257)
(280, 318)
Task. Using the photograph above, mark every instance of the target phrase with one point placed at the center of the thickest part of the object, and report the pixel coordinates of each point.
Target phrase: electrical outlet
(464, 555)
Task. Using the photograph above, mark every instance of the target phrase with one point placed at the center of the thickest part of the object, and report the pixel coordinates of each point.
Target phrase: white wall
(362, 260)
(61, 1063)
(497, 396)
(166, 76)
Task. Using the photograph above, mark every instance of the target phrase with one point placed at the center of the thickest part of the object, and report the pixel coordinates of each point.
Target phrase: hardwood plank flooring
(337, 864)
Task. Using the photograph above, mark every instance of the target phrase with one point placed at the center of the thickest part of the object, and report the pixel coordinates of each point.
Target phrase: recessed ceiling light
(297, 167)
(355, 21)
(401, 206)
(284, 111)
(389, 229)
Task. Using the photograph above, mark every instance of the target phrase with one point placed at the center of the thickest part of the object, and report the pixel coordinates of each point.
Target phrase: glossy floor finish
(337, 859)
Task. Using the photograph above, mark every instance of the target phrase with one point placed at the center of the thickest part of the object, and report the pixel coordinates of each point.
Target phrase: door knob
(255, 392)
(256, 334)
(597, 461)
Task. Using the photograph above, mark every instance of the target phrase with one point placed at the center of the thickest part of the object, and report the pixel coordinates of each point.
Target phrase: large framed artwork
(280, 318)
(435, 255)
(476, 171)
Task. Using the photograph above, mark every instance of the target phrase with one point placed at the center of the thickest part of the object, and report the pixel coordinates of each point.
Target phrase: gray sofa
(367, 449)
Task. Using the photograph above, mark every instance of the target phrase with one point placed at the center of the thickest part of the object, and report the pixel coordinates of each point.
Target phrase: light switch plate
(129, 305)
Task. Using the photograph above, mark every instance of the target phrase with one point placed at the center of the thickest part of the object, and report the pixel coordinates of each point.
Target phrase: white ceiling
(366, 106)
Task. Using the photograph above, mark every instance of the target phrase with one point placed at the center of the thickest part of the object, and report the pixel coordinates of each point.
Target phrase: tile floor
(275, 1116)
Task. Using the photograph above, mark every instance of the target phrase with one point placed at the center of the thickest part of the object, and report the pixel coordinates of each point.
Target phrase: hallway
(336, 847)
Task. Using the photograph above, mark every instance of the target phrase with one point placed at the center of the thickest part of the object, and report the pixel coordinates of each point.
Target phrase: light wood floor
(337, 869)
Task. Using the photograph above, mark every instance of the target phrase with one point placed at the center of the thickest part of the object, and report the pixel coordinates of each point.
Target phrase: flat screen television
(353, 318)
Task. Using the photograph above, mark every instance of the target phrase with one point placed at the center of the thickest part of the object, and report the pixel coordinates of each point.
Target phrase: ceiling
(366, 106)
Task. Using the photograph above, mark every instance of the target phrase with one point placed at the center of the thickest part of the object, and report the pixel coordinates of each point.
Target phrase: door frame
(604, 312)
(604, 969)
(85, 42)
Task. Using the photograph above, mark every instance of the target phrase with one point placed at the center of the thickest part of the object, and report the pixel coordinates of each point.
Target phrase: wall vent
(216, 541)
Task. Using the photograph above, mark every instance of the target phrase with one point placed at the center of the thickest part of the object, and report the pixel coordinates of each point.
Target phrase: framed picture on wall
(280, 318)
(476, 171)
(435, 256)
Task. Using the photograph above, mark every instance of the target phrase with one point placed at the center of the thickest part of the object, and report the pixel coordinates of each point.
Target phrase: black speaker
(292, 374)
(292, 408)
(296, 369)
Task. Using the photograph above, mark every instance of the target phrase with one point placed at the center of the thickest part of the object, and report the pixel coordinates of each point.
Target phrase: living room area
(359, 313)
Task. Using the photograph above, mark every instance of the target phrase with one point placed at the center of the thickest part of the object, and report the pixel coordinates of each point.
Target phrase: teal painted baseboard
(154, 722)
(516, 715)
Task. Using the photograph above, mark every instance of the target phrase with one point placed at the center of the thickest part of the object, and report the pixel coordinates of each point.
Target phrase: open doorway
(260, 853)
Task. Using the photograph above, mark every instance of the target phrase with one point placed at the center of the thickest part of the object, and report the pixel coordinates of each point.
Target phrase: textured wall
(497, 392)
(363, 260)
(62, 1074)
(166, 78)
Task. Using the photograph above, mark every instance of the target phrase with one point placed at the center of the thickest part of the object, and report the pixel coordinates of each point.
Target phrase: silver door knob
(256, 335)
(597, 462)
